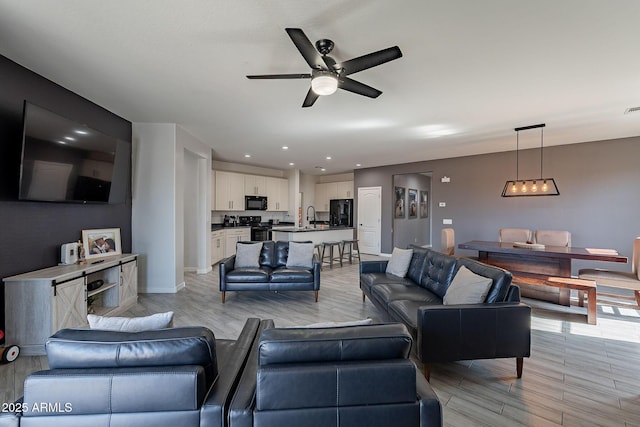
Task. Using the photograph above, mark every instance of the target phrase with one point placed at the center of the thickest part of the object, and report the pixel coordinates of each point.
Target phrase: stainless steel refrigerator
(341, 212)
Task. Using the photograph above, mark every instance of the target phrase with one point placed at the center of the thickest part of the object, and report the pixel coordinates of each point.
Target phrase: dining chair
(514, 235)
(447, 241)
(618, 279)
(553, 237)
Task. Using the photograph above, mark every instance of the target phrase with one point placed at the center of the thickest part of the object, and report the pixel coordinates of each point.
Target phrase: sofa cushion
(268, 254)
(300, 254)
(291, 275)
(92, 348)
(249, 275)
(395, 291)
(501, 279)
(437, 273)
(406, 311)
(399, 262)
(467, 288)
(131, 324)
(417, 263)
(374, 279)
(248, 254)
(281, 254)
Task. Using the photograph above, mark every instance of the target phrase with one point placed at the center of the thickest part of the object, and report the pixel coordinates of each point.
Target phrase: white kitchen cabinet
(228, 191)
(217, 246)
(277, 194)
(233, 236)
(345, 190)
(57, 297)
(255, 185)
(325, 192)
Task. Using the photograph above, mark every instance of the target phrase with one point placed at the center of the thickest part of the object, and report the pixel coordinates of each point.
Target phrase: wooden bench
(583, 287)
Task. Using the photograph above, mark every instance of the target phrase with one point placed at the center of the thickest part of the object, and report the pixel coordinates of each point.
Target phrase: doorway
(412, 223)
(369, 219)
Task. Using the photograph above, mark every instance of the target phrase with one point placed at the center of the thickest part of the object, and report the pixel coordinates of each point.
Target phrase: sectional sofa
(497, 326)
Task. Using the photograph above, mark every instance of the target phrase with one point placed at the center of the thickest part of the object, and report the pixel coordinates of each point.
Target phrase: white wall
(158, 205)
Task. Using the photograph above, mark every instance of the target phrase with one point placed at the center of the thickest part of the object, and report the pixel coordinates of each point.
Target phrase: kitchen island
(315, 235)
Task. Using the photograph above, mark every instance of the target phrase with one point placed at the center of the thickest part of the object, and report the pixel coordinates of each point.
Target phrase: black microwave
(255, 203)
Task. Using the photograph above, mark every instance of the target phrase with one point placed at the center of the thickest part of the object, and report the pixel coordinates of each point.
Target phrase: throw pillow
(131, 324)
(467, 287)
(338, 324)
(248, 255)
(398, 265)
(300, 255)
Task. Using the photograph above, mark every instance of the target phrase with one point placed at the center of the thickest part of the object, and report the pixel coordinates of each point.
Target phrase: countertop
(307, 229)
(220, 226)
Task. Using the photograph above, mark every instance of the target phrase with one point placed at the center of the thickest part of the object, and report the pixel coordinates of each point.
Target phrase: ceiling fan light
(324, 84)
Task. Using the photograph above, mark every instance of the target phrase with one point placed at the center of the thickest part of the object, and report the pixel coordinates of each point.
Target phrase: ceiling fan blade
(309, 53)
(310, 99)
(356, 87)
(370, 60)
(280, 76)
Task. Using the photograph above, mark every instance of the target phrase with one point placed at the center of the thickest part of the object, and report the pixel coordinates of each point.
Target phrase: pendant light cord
(517, 155)
(541, 149)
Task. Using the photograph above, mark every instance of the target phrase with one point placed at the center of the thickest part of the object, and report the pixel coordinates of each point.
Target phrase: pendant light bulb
(524, 187)
(534, 187)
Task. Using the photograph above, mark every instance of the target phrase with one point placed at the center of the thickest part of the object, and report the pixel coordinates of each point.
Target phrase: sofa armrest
(317, 266)
(244, 398)
(214, 408)
(430, 407)
(224, 267)
(513, 295)
(12, 418)
(473, 331)
(373, 266)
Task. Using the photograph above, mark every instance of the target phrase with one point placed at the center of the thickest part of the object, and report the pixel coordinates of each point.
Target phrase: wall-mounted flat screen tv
(65, 161)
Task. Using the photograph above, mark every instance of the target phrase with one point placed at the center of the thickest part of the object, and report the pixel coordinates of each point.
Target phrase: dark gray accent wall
(598, 203)
(31, 232)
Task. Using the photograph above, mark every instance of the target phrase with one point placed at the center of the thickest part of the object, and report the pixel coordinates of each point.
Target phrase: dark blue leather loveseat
(498, 327)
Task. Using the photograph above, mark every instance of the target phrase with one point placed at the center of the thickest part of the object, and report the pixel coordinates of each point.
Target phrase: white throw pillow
(398, 265)
(300, 255)
(467, 287)
(248, 254)
(131, 324)
(338, 324)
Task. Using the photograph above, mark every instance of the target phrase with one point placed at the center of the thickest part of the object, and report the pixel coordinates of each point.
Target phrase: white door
(369, 219)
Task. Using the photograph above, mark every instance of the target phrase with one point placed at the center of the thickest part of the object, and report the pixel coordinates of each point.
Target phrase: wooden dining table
(539, 261)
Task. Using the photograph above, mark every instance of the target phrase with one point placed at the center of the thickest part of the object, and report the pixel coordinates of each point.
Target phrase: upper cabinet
(345, 190)
(228, 191)
(331, 190)
(277, 194)
(255, 185)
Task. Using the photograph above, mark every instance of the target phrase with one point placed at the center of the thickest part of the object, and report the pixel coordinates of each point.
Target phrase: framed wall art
(424, 204)
(399, 203)
(413, 203)
(101, 242)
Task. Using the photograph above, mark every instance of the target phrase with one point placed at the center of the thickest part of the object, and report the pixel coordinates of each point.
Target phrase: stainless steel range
(259, 232)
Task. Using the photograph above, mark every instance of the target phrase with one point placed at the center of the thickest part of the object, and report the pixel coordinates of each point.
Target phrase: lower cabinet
(39, 303)
(233, 236)
(217, 246)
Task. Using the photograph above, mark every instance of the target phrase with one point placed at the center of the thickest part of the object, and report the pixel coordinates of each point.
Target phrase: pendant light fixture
(530, 187)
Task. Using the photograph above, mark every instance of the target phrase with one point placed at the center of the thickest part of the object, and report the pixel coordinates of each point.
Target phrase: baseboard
(204, 270)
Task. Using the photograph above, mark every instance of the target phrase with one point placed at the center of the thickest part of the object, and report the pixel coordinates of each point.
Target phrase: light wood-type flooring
(577, 375)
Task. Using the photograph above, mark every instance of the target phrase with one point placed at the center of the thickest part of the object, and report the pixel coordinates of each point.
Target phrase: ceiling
(470, 73)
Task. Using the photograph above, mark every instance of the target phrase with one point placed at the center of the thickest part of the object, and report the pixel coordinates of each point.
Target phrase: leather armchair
(344, 376)
(179, 376)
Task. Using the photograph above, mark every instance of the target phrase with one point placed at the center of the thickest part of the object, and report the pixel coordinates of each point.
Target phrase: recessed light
(358, 165)
(81, 132)
(291, 164)
(62, 142)
(247, 155)
(322, 169)
(284, 147)
(68, 138)
(328, 157)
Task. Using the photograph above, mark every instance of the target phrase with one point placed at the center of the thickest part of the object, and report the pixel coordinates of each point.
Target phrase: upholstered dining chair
(618, 279)
(514, 235)
(553, 237)
(447, 241)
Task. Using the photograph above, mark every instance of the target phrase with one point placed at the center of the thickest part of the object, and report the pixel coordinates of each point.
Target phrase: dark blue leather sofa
(498, 327)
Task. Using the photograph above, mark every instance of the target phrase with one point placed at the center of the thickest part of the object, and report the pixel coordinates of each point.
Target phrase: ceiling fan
(327, 75)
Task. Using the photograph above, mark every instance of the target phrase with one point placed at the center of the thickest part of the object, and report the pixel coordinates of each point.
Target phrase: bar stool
(331, 256)
(318, 248)
(354, 249)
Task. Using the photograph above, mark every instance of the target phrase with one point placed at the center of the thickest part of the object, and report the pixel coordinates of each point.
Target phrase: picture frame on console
(101, 242)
